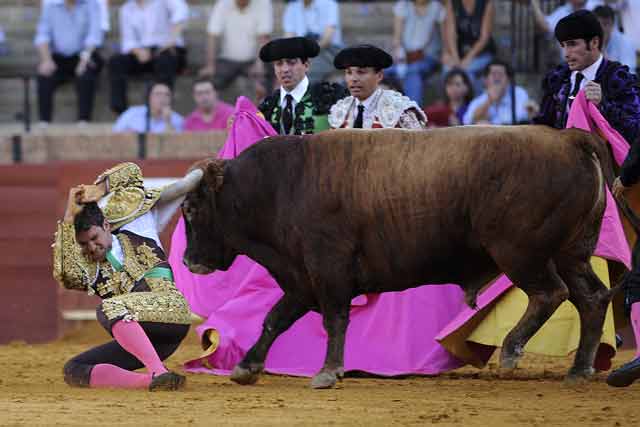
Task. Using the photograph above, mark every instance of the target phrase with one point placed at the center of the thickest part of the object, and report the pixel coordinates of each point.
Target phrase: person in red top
(210, 113)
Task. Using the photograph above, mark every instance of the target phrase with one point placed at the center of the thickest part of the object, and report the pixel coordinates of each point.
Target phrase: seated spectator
(630, 16)
(67, 39)
(154, 117)
(238, 28)
(467, 36)
(415, 26)
(458, 93)
(494, 106)
(319, 20)
(615, 45)
(210, 112)
(547, 23)
(150, 42)
(103, 5)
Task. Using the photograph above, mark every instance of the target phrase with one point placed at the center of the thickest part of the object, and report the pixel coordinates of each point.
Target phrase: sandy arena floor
(32, 392)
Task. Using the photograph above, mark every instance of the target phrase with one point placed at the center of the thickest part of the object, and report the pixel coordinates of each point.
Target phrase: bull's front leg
(335, 320)
(283, 314)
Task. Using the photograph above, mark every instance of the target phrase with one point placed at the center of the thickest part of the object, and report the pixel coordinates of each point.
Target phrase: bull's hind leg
(591, 298)
(335, 320)
(283, 314)
(546, 291)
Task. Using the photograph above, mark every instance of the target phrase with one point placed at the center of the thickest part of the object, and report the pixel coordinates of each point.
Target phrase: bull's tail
(596, 146)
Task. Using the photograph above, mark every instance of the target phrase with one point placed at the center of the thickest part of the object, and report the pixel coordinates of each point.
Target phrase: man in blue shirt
(68, 35)
(154, 117)
(494, 106)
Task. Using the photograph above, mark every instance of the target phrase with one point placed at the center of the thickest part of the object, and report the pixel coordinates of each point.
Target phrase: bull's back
(447, 182)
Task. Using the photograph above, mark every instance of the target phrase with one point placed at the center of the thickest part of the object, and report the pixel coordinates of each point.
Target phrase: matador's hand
(92, 193)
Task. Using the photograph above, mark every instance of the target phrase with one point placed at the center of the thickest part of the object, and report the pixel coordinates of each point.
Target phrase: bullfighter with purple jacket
(608, 84)
(614, 89)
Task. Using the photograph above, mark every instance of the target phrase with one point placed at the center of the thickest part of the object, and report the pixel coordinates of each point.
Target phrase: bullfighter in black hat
(297, 107)
(370, 106)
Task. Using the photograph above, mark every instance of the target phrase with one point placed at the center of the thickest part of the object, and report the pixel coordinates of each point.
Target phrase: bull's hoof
(324, 380)
(577, 377)
(509, 363)
(244, 376)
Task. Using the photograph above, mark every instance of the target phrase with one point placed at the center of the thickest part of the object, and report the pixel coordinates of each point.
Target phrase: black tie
(357, 123)
(576, 85)
(287, 114)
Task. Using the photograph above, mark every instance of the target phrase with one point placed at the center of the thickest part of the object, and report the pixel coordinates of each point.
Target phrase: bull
(349, 212)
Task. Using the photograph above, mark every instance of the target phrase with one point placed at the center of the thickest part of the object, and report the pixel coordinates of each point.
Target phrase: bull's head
(206, 249)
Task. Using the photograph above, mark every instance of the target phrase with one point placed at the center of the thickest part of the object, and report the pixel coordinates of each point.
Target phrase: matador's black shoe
(625, 375)
(167, 381)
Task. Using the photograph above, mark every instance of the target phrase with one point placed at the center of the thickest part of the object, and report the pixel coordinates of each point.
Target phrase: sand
(32, 392)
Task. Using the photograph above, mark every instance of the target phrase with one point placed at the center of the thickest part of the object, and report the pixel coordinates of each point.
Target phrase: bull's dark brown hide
(347, 212)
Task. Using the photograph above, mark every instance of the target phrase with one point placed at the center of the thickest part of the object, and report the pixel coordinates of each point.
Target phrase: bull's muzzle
(196, 268)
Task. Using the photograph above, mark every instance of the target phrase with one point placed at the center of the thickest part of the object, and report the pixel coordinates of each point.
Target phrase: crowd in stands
(442, 43)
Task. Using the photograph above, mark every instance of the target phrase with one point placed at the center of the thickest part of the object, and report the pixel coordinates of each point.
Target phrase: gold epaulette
(121, 175)
(126, 197)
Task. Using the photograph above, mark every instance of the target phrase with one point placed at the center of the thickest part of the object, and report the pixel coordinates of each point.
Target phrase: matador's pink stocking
(132, 338)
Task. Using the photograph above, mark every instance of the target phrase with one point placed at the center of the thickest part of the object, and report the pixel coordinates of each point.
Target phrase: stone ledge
(45, 148)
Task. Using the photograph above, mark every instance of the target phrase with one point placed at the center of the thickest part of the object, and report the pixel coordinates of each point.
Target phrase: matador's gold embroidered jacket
(138, 286)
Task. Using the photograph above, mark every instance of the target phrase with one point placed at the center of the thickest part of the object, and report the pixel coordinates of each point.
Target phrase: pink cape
(612, 243)
(388, 334)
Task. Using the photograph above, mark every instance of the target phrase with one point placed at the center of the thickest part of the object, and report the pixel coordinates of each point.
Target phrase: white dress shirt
(500, 113)
(151, 24)
(589, 73)
(369, 113)
(297, 93)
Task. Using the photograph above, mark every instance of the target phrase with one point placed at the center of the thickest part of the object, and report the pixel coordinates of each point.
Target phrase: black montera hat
(291, 47)
(364, 55)
(581, 24)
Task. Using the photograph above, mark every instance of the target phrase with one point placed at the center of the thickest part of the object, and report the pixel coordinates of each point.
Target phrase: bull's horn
(182, 186)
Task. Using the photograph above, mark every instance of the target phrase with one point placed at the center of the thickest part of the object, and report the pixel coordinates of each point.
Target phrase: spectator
(319, 20)
(630, 16)
(150, 41)
(458, 93)
(210, 112)
(154, 117)
(547, 23)
(495, 105)
(67, 39)
(467, 37)
(369, 106)
(238, 28)
(415, 26)
(103, 5)
(607, 84)
(616, 46)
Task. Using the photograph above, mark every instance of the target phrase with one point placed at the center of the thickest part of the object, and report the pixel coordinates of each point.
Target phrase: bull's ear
(214, 174)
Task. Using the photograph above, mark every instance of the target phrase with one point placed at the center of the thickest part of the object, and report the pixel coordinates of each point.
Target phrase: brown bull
(344, 213)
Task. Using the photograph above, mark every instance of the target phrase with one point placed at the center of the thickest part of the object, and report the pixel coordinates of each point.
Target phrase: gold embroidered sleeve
(70, 268)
